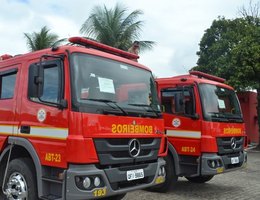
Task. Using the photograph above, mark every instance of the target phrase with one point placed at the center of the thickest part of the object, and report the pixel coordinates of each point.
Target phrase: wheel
(20, 182)
(116, 197)
(199, 179)
(170, 179)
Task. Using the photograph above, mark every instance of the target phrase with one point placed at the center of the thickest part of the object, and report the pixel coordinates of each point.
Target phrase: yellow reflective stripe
(60, 133)
(7, 129)
(47, 132)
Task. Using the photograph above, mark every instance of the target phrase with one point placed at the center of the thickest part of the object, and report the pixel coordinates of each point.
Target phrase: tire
(170, 179)
(116, 197)
(2, 171)
(22, 172)
(199, 179)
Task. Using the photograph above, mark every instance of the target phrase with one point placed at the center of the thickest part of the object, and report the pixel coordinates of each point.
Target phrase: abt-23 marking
(53, 157)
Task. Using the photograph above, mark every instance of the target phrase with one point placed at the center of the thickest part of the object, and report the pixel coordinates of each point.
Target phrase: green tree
(115, 27)
(231, 49)
(41, 40)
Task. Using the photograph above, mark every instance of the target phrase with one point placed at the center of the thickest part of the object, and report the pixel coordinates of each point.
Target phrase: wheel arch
(174, 155)
(23, 148)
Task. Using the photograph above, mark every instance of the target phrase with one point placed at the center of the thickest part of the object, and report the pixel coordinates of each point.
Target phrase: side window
(178, 101)
(7, 83)
(51, 91)
(51, 85)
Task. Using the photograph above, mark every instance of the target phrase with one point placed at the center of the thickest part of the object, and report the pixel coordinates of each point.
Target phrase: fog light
(97, 181)
(214, 164)
(77, 179)
(86, 183)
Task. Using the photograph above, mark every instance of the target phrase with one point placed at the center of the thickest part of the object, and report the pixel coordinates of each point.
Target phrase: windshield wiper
(218, 116)
(107, 101)
(226, 117)
(157, 113)
(233, 117)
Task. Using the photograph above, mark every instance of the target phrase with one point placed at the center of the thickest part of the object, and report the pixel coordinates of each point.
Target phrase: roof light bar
(207, 76)
(96, 45)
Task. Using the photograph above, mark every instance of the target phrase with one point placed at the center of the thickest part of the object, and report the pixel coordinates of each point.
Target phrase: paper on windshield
(106, 85)
(221, 104)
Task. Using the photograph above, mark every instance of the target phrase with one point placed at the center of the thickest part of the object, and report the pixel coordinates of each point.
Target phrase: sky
(176, 26)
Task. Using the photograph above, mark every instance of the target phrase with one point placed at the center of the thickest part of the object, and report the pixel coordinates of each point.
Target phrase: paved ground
(238, 185)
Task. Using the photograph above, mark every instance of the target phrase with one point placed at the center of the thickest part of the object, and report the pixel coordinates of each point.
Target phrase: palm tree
(41, 40)
(114, 27)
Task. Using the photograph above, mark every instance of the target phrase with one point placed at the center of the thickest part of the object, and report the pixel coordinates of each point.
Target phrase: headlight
(86, 183)
(97, 181)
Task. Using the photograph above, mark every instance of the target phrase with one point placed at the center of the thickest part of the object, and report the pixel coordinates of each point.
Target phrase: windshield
(106, 86)
(219, 104)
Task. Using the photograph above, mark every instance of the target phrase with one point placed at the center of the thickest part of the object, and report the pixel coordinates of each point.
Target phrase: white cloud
(176, 26)
(62, 26)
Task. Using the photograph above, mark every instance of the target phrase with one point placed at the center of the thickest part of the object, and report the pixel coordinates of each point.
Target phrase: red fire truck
(80, 121)
(204, 125)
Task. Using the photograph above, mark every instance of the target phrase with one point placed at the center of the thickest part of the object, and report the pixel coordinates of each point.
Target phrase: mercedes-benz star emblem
(233, 143)
(134, 148)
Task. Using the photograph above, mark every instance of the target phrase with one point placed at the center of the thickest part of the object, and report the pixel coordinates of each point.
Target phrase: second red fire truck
(204, 125)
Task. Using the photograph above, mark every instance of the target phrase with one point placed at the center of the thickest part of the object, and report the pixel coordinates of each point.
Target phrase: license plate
(234, 160)
(135, 174)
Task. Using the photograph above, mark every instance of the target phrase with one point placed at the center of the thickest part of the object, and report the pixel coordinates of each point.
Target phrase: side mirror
(36, 81)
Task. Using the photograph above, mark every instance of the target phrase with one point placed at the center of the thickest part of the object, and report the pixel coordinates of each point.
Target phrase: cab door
(182, 123)
(44, 118)
(9, 88)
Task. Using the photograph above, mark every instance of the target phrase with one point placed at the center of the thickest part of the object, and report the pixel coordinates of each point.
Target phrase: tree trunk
(258, 114)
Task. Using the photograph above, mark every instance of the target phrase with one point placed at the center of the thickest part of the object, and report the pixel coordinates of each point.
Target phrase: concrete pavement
(242, 184)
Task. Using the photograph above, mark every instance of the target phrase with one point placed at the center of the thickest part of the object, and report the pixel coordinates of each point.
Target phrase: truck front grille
(116, 151)
(230, 145)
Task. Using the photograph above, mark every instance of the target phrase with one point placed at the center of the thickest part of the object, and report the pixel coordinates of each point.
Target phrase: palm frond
(41, 40)
(146, 45)
(30, 41)
(115, 27)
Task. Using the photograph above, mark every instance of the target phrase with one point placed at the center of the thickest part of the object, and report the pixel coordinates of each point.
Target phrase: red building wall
(248, 102)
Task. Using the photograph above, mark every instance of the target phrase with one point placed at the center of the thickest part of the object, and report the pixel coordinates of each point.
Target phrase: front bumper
(222, 163)
(114, 179)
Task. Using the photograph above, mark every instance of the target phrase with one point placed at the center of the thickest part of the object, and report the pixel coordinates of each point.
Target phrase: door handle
(25, 129)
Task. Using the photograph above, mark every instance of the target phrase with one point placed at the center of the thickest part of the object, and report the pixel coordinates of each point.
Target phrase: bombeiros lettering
(232, 131)
(131, 128)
